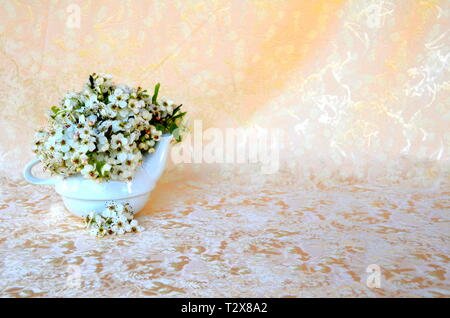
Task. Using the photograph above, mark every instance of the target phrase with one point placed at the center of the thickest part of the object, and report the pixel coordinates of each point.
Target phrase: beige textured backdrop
(361, 89)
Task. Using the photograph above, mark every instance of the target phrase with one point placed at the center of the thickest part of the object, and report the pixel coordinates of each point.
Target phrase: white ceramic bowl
(82, 196)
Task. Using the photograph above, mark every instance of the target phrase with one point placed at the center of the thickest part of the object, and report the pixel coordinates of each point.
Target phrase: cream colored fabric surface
(359, 88)
(211, 237)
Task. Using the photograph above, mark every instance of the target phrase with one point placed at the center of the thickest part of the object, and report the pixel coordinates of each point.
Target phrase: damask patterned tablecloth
(232, 238)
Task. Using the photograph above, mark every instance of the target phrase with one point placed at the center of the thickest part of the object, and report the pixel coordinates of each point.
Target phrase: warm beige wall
(360, 87)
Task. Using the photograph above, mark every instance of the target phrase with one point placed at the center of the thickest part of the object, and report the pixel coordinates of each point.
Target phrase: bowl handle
(32, 179)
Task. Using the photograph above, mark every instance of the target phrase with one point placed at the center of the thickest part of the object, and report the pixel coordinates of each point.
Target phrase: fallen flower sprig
(115, 219)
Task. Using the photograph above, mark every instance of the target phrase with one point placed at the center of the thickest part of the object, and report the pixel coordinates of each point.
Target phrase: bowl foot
(81, 207)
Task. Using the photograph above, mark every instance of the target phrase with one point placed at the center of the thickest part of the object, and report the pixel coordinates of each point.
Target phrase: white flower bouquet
(103, 131)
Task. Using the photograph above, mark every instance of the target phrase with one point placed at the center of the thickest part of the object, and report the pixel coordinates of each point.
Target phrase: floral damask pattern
(220, 239)
(359, 88)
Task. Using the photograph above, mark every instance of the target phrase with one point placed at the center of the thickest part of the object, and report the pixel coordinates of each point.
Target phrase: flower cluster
(116, 219)
(104, 130)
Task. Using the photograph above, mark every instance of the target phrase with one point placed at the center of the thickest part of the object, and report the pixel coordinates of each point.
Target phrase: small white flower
(91, 120)
(122, 125)
(125, 112)
(146, 115)
(99, 81)
(70, 101)
(119, 98)
(107, 213)
(143, 146)
(90, 99)
(134, 226)
(87, 144)
(86, 132)
(101, 231)
(84, 158)
(89, 171)
(135, 105)
(119, 224)
(118, 141)
(111, 205)
(106, 169)
(118, 229)
(110, 110)
(93, 229)
(102, 143)
(76, 160)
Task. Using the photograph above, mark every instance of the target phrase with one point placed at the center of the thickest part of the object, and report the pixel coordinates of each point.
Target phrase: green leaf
(155, 93)
(54, 109)
(91, 81)
(179, 115)
(176, 109)
(172, 127)
(160, 127)
(98, 166)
